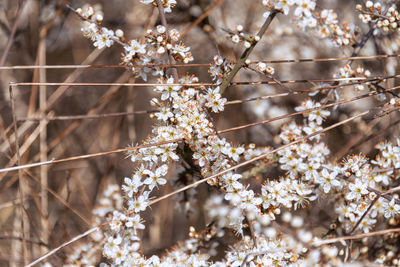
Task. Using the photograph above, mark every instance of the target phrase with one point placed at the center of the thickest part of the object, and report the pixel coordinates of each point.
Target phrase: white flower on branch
(328, 180)
(155, 178)
(391, 208)
(357, 190)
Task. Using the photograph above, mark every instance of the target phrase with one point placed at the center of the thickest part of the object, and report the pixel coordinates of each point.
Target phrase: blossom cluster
(264, 68)
(349, 183)
(219, 68)
(157, 44)
(239, 36)
(323, 24)
(91, 27)
(387, 18)
(182, 115)
(346, 71)
(167, 4)
(260, 213)
(348, 76)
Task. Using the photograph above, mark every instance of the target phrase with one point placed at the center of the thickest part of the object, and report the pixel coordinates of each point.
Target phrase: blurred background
(34, 32)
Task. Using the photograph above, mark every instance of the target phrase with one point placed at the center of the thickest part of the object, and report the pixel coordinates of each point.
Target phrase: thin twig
(239, 64)
(277, 61)
(301, 112)
(20, 178)
(374, 14)
(365, 213)
(76, 238)
(352, 237)
(204, 84)
(201, 18)
(232, 102)
(26, 166)
(85, 117)
(88, 155)
(97, 116)
(28, 67)
(304, 60)
(44, 200)
(12, 35)
(179, 139)
(385, 195)
(58, 197)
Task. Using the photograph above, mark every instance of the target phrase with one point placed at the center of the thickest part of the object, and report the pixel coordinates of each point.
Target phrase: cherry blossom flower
(131, 185)
(391, 208)
(149, 155)
(216, 104)
(311, 128)
(135, 47)
(164, 114)
(111, 247)
(201, 157)
(104, 38)
(357, 190)
(134, 222)
(167, 4)
(328, 180)
(285, 5)
(233, 152)
(231, 181)
(234, 196)
(155, 178)
(315, 115)
(168, 91)
(167, 151)
(138, 204)
(304, 7)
